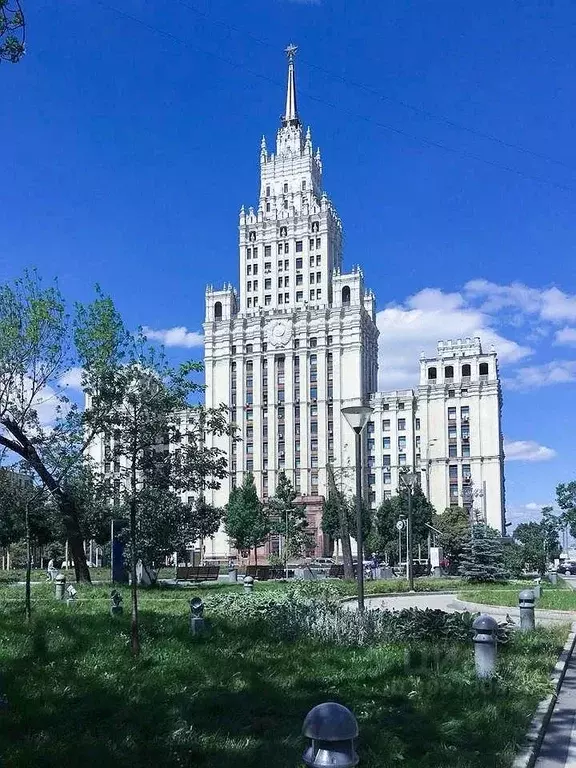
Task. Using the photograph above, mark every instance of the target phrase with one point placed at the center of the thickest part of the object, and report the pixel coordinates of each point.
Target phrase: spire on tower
(291, 112)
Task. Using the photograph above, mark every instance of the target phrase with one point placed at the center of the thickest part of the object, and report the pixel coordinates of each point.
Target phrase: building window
(318, 277)
(385, 442)
(267, 283)
(285, 189)
(255, 285)
(400, 406)
(312, 295)
(432, 373)
(386, 461)
(286, 281)
(386, 407)
(249, 269)
(267, 252)
(313, 341)
(387, 478)
(318, 242)
(218, 310)
(318, 293)
(401, 425)
(453, 491)
(303, 185)
(311, 278)
(314, 393)
(466, 371)
(267, 191)
(465, 413)
(311, 243)
(283, 231)
(255, 251)
(386, 425)
(299, 279)
(279, 298)
(451, 393)
(402, 442)
(483, 370)
(267, 300)
(299, 296)
(371, 427)
(329, 340)
(299, 263)
(417, 424)
(452, 451)
(318, 260)
(299, 246)
(452, 432)
(267, 267)
(249, 302)
(311, 261)
(451, 414)
(280, 251)
(449, 372)
(466, 451)
(255, 272)
(346, 296)
(453, 471)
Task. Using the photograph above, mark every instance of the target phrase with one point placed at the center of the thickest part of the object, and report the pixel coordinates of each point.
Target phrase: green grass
(237, 698)
(560, 597)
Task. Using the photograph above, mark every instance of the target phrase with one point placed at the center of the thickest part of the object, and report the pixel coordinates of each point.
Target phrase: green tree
(335, 522)
(246, 521)
(156, 441)
(483, 556)
(288, 519)
(566, 498)
(540, 541)
(39, 426)
(387, 515)
(454, 525)
(12, 31)
(204, 519)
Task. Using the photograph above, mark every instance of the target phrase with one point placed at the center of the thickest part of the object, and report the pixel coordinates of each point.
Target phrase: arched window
(449, 372)
(432, 374)
(268, 207)
(346, 295)
(267, 191)
(466, 370)
(483, 369)
(218, 310)
(285, 189)
(303, 185)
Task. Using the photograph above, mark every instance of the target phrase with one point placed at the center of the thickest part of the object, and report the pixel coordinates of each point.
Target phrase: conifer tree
(483, 557)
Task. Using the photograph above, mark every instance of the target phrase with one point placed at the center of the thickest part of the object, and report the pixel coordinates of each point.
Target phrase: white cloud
(178, 336)
(565, 336)
(527, 450)
(545, 375)
(550, 304)
(424, 319)
(72, 379)
(524, 513)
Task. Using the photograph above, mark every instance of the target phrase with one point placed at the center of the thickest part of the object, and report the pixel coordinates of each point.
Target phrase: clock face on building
(279, 333)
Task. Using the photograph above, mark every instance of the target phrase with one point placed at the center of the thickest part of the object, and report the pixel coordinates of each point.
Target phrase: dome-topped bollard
(526, 600)
(196, 616)
(332, 730)
(60, 582)
(485, 645)
(248, 584)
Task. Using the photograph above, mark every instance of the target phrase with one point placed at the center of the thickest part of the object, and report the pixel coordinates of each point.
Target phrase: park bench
(197, 572)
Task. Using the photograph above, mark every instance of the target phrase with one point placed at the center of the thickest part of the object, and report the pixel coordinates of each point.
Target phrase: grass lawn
(559, 598)
(237, 698)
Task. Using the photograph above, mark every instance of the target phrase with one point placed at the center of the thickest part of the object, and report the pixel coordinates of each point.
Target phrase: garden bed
(238, 697)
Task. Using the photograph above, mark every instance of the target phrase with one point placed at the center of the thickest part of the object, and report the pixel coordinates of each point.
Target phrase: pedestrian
(52, 570)
(374, 565)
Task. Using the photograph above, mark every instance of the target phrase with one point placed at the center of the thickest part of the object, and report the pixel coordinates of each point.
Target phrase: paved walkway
(558, 749)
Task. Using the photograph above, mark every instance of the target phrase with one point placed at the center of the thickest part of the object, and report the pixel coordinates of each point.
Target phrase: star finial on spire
(291, 51)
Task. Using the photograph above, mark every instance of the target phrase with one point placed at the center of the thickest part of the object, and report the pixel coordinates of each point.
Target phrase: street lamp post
(357, 416)
(407, 479)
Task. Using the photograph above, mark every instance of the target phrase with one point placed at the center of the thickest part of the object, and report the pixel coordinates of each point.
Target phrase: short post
(553, 578)
(485, 645)
(248, 584)
(526, 600)
(116, 608)
(537, 589)
(332, 730)
(196, 616)
(233, 573)
(60, 581)
(71, 594)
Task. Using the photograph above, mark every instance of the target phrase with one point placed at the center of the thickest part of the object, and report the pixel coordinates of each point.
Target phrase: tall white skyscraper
(300, 340)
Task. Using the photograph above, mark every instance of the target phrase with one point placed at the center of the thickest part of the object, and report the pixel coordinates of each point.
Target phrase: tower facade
(299, 341)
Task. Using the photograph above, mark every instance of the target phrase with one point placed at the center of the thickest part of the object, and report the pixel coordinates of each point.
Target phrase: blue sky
(131, 134)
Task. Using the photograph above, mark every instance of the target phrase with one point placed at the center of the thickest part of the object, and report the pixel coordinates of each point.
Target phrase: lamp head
(357, 416)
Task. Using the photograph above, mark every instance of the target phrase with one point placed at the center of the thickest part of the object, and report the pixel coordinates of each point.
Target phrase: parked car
(568, 566)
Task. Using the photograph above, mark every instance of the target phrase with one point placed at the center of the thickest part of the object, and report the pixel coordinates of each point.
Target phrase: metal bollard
(332, 730)
(248, 584)
(537, 589)
(233, 575)
(116, 608)
(526, 600)
(485, 645)
(60, 581)
(196, 616)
